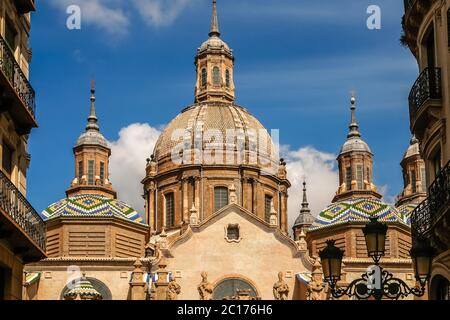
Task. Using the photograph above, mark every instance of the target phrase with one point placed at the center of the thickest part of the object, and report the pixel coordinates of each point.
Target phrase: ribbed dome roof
(92, 137)
(91, 205)
(218, 116)
(356, 210)
(355, 144)
(214, 42)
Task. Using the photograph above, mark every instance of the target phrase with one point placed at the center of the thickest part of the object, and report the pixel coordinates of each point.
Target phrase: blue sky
(296, 63)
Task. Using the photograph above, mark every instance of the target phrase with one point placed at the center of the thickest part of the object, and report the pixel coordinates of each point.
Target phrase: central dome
(200, 122)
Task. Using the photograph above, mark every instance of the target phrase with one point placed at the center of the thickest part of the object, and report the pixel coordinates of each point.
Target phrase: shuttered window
(102, 172)
(80, 170)
(91, 172)
(170, 210)
(204, 76)
(216, 76)
(359, 177)
(424, 180)
(348, 178)
(413, 181)
(220, 197)
(227, 78)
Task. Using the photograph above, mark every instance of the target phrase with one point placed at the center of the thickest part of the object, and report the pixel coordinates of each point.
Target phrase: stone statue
(173, 290)
(205, 288)
(280, 288)
(316, 288)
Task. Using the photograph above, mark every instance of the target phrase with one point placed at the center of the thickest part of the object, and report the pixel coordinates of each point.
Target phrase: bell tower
(214, 63)
(91, 159)
(355, 165)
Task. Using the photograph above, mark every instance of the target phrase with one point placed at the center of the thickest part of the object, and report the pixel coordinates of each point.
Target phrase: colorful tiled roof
(405, 212)
(355, 210)
(90, 205)
(83, 290)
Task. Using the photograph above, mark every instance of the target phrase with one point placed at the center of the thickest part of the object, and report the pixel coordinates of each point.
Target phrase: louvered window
(348, 178)
(220, 197)
(91, 172)
(216, 76)
(170, 210)
(360, 177)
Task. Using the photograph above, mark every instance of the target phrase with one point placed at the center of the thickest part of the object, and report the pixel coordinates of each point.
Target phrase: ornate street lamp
(375, 235)
(422, 256)
(376, 282)
(331, 259)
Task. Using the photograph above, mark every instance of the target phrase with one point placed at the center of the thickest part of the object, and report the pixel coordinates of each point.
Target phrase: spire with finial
(214, 31)
(305, 218)
(305, 204)
(353, 124)
(92, 119)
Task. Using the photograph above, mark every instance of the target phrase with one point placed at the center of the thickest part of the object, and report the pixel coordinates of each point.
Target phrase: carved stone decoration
(273, 216)
(233, 195)
(193, 219)
(162, 242)
(317, 288)
(205, 288)
(280, 288)
(173, 290)
(301, 242)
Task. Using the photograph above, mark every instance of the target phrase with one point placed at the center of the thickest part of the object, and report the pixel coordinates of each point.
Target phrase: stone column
(197, 194)
(283, 209)
(137, 284)
(151, 206)
(184, 183)
(162, 283)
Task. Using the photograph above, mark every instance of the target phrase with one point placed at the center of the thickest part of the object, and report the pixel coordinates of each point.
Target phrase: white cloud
(105, 14)
(321, 174)
(128, 161)
(160, 12)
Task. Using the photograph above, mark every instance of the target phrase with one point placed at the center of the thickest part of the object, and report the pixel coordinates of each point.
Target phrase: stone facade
(22, 231)
(426, 33)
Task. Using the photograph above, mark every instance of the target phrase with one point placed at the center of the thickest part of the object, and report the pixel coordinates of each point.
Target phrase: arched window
(227, 78)
(360, 177)
(204, 77)
(170, 210)
(216, 76)
(220, 197)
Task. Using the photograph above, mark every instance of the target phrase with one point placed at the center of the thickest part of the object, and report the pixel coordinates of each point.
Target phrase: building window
(267, 207)
(204, 77)
(360, 177)
(227, 78)
(424, 179)
(170, 210)
(430, 48)
(413, 181)
(220, 197)
(233, 232)
(102, 171)
(91, 172)
(437, 163)
(10, 35)
(448, 27)
(80, 170)
(216, 76)
(7, 158)
(348, 178)
(443, 289)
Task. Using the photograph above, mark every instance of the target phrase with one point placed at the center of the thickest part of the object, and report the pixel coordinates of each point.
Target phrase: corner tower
(355, 165)
(91, 160)
(214, 64)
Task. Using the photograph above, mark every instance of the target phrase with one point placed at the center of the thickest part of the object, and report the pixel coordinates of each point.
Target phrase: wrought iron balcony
(15, 206)
(18, 83)
(431, 211)
(426, 87)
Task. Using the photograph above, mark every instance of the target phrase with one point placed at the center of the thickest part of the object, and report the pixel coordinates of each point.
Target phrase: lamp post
(376, 282)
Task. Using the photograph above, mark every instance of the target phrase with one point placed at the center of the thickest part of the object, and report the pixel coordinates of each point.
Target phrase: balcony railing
(16, 78)
(13, 203)
(427, 86)
(434, 207)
